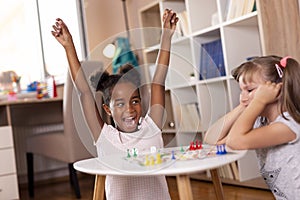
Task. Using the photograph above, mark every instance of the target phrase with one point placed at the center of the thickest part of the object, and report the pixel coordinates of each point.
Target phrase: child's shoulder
(147, 119)
(148, 122)
(108, 129)
(287, 119)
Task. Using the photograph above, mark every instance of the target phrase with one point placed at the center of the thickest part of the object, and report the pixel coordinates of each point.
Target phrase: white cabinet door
(8, 173)
(9, 187)
(6, 139)
(8, 163)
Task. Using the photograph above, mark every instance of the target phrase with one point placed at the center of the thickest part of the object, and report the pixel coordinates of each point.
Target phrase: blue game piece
(173, 155)
(221, 149)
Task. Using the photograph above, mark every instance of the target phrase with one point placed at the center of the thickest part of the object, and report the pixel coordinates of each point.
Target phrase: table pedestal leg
(184, 187)
(217, 184)
(99, 187)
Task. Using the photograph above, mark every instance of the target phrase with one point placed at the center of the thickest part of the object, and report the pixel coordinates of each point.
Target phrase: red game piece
(192, 146)
(197, 145)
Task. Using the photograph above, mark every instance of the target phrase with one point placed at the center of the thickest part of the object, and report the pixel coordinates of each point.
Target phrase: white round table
(181, 168)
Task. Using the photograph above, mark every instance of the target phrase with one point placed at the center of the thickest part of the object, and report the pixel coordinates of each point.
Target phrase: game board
(135, 162)
(167, 155)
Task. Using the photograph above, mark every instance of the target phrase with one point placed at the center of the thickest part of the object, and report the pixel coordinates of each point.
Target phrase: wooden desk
(30, 111)
(29, 116)
(181, 169)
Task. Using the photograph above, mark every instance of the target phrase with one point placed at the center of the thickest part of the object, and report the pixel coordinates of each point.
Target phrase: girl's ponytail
(290, 97)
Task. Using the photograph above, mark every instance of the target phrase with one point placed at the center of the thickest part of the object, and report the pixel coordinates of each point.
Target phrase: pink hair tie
(283, 61)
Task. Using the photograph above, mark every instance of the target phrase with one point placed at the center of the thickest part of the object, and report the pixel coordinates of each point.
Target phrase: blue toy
(221, 149)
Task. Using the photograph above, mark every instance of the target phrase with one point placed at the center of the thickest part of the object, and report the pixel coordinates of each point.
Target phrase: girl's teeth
(129, 122)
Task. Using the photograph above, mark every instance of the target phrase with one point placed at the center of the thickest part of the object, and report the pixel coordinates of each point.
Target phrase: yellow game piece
(151, 160)
(158, 159)
(147, 162)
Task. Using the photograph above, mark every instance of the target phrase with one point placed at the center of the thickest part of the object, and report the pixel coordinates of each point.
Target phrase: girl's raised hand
(61, 33)
(169, 21)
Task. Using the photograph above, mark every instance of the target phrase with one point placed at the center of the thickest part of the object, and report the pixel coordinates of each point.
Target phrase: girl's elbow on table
(237, 143)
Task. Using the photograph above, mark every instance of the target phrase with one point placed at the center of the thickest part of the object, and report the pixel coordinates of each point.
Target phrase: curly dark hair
(105, 82)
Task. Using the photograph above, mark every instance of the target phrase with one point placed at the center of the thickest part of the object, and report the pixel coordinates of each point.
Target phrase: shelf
(188, 84)
(180, 39)
(212, 80)
(248, 20)
(248, 35)
(151, 22)
(209, 31)
(169, 131)
(200, 12)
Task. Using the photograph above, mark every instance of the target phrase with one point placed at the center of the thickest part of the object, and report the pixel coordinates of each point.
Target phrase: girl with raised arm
(122, 101)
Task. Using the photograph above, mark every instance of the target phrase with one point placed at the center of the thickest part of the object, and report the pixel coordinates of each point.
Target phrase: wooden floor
(61, 190)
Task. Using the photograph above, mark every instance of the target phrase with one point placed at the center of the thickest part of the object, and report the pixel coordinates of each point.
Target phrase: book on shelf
(189, 117)
(238, 8)
(229, 171)
(179, 29)
(231, 9)
(249, 6)
(183, 23)
(235, 170)
(226, 172)
(211, 60)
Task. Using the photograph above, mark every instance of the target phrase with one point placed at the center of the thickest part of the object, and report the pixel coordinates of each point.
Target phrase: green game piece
(128, 153)
(134, 152)
(181, 149)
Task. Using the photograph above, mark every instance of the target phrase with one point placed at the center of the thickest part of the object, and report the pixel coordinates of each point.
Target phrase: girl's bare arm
(162, 64)
(243, 136)
(63, 36)
(216, 134)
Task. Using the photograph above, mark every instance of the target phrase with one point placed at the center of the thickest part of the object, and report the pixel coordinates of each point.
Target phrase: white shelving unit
(242, 37)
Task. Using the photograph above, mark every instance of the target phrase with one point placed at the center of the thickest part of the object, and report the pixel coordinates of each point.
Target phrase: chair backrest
(77, 134)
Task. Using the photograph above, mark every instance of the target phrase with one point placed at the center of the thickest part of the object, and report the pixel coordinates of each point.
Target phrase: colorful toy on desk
(153, 149)
(128, 153)
(221, 149)
(133, 151)
(158, 159)
(191, 146)
(196, 146)
(51, 87)
(147, 161)
(32, 86)
(150, 161)
(173, 155)
(181, 149)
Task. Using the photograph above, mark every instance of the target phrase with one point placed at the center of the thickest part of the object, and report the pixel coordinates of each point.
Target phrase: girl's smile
(125, 107)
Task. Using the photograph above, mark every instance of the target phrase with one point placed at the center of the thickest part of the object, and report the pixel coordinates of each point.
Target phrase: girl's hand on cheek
(244, 102)
(268, 92)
